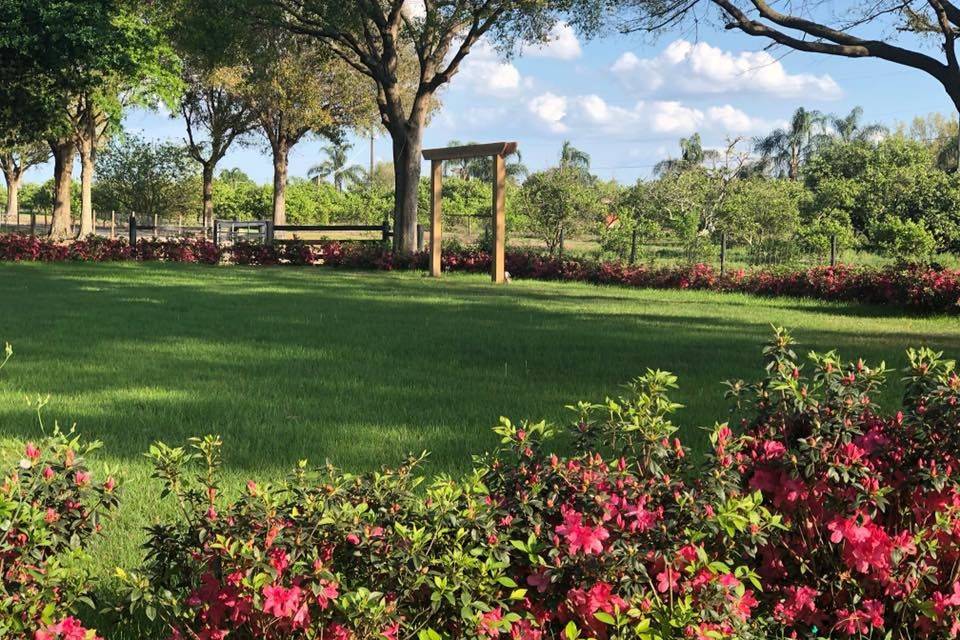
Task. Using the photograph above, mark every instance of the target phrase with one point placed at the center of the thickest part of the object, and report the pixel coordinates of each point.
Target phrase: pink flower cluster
(54, 504)
(24, 248)
(871, 503)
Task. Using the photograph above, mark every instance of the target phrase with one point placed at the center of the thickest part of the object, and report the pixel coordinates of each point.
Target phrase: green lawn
(360, 368)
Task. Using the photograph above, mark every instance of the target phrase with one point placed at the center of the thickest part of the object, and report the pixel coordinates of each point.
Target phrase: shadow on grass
(360, 368)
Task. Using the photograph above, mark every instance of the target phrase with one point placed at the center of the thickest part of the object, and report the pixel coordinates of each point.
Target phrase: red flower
(490, 624)
(32, 452)
(581, 537)
(281, 602)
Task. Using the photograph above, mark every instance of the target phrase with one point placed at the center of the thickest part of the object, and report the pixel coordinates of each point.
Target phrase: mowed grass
(360, 368)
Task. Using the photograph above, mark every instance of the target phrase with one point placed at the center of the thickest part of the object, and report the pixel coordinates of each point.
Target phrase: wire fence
(717, 250)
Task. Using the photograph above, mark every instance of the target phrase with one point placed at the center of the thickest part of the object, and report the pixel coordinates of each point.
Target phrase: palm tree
(460, 167)
(850, 128)
(692, 154)
(335, 166)
(482, 168)
(787, 149)
(573, 158)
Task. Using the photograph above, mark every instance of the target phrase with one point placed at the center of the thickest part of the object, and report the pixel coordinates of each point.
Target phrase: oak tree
(375, 37)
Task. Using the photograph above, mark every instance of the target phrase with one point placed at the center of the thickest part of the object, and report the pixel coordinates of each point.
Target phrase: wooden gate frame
(499, 151)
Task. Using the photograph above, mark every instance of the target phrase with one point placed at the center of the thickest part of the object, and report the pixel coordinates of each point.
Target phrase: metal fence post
(633, 247)
(723, 252)
(833, 250)
(133, 229)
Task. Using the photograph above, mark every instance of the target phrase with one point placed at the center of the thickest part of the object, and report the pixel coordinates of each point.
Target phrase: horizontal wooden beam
(327, 227)
(501, 149)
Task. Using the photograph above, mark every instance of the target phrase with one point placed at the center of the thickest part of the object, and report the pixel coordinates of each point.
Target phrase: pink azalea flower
(489, 624)
(581, 537)
(32, 452)
(280, 601)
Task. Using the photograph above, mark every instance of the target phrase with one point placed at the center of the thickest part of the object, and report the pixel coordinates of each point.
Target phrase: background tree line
(781, 197)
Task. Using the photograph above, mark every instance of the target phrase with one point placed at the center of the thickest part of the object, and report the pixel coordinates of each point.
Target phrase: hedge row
(816, 515)
(917, 287)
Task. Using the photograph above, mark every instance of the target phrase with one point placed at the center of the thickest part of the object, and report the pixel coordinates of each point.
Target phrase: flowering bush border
(822, 518)
(919, 287)
(816, 516)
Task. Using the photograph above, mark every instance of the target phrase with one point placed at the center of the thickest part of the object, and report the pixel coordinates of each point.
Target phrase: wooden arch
(499, 151)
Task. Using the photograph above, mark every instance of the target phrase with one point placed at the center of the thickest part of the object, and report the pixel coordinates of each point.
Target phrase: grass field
(363, 367)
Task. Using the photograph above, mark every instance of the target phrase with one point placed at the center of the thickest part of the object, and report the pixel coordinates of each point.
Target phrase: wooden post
(33, 223)
(633, 247)
(499, 218)
(723, 252)
(216, 233)
(833, 250)
(113, 225)
(155, 224)
(133, 230)
(436, 180)
(385, 232)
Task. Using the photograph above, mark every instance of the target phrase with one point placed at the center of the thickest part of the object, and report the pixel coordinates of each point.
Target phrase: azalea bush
(622, 539)
(326, 554)
(25, 248)
(50, 507)
(871, 502)
(627, 538)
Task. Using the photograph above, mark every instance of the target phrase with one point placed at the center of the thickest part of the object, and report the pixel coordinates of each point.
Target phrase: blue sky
(624, 100)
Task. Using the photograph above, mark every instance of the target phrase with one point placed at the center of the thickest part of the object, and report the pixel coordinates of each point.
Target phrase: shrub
(871, 502)
(254, 253)
(50, 507)
(906, 241)
(624, 538)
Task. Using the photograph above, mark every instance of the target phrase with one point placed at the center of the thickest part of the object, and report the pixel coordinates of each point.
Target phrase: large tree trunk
(208, 195)
(407, 147)
(281, 153)
(64, 151)
(85, 147)
(13, 195)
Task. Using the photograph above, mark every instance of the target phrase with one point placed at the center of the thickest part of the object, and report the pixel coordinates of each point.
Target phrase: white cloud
(591, 113)
(562, 44)
(734, 120)
(699, 68)
(484, 72)
(550, 109)
(414, 9)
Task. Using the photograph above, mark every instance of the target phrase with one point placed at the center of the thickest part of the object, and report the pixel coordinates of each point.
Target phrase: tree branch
(838, 43)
